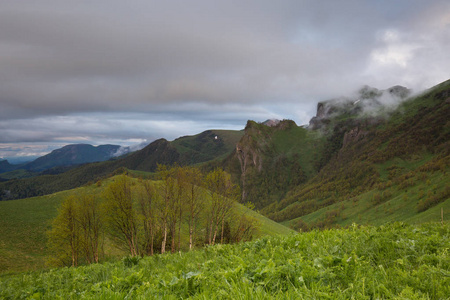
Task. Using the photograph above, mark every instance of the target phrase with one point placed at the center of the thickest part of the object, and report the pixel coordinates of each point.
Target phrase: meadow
(24, 223)
(392, 261)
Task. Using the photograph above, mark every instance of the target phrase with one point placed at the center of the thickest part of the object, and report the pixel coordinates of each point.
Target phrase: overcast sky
(125, 72)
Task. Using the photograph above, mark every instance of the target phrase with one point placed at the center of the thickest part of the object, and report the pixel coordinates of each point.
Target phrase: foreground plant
(386, 262)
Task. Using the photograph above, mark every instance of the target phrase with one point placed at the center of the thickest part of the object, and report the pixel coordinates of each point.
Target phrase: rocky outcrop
(271, 122)
(353, 135)
(367, 99)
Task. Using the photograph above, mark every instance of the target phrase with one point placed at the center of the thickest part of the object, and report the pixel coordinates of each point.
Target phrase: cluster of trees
(184, 208)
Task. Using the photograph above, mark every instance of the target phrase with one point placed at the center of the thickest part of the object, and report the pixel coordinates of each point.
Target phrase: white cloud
(394, 51)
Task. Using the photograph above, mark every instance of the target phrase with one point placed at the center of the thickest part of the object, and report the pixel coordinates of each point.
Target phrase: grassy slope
(24, 222)
(204, 147)
(408, 159)
(300, 142)
(395, 261)
(276, 159)
(401, 204)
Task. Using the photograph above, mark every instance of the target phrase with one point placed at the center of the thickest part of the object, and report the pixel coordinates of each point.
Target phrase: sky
(130, 72)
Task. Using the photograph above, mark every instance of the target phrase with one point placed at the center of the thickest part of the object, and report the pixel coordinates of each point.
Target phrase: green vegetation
(378, 170)
(23, 227)
(390, 261)
(272, 160)
(206, 146)
(24, 223)
(355, 169)
(17, 174)
(189, 150)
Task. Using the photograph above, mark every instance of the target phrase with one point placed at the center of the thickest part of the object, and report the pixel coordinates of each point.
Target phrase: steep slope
(269, 160)
(373, 145)
(376, 162)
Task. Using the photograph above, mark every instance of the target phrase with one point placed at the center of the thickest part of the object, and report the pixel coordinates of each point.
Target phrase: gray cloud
(117, 71)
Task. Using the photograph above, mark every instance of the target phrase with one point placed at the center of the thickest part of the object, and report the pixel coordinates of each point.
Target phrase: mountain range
(378, 152)
(60, 160)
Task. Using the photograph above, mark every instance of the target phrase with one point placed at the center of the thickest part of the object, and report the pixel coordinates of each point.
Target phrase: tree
(65, 236)
(223, 197)
(181, 192)
(194, 199)
(120, 216)
(90, 222)
(147, 204)
(245, 226)
(167, 192)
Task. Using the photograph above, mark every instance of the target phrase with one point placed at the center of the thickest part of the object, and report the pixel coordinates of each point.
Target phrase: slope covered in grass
(24, 222)
(391, 168)
(391, 261)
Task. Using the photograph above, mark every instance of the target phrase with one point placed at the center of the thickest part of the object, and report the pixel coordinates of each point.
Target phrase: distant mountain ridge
(69, 155)
(74, 154)
(211, 146)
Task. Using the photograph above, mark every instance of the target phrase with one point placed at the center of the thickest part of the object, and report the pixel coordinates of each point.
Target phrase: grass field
(393, 261)
(24, 222)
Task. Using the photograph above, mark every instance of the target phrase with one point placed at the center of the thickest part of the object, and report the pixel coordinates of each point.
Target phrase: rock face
(271, 122)
(248, 153)
(367, 99)
(399, 91)
(353, 135)
(266, 160)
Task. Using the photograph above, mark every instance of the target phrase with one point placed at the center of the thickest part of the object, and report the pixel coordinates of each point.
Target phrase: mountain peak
(366, 100)
(271, 122)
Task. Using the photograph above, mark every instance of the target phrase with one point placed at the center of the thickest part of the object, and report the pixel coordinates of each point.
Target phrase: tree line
(184, 208)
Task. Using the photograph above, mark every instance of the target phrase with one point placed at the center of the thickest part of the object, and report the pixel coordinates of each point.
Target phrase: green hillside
(270, 160)
(188, 150)
(369, 168)
(206, 146)
(356, 167)
(24, 222)
(393, 261)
